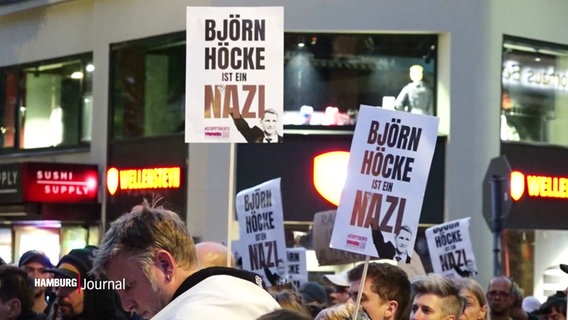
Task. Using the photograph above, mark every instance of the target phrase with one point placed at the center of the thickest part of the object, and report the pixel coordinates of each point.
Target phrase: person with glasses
(500, 298)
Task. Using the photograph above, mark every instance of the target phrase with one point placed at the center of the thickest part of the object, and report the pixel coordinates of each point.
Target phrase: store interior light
(77, 75)
(90, 67)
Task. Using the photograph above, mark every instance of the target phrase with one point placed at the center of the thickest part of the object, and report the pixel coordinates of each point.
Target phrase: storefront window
(534, 106)
(46, 104)
(328, 76)
(148, 87)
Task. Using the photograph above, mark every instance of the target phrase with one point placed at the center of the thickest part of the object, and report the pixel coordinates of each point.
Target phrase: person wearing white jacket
(151, 251)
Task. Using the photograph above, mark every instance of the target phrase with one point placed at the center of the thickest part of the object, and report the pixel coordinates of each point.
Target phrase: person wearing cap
(16, 295)
(151, 249)
(340, 291)
(35, 263)
(82, 303)
(554, 308)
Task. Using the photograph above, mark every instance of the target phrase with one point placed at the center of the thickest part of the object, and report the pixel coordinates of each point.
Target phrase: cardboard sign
(321, 233)
(388, 168)
(235, 74)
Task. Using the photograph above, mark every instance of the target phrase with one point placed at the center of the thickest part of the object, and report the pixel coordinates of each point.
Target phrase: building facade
(468, 84)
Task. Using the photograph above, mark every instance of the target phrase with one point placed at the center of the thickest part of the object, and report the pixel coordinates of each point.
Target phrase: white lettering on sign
(543, 77)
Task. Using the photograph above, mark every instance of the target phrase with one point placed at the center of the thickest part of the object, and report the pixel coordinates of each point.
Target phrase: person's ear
(14, 308)
(164, 261)
(482, 312)
(391, 309)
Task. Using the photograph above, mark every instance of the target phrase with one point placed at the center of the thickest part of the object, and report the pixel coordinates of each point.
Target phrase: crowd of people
(148, 267)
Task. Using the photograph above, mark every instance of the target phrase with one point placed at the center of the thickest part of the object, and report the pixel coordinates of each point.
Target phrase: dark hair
(15, 283)
(284, 314)
(389, 281)
(405, 228)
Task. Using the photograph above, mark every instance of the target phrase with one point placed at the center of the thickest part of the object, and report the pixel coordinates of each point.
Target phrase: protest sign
(234, 74)
(261, 230)
(450, 249)
(297, 265)
(321, 235)
(389, 163)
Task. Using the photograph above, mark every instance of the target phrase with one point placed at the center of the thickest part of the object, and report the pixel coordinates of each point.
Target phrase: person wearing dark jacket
(399, 251)
(83, 304)
(270, 123)
(16, 295)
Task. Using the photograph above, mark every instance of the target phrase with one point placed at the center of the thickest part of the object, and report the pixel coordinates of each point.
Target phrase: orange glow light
(330, 172)
(517, 188)
(112, 181)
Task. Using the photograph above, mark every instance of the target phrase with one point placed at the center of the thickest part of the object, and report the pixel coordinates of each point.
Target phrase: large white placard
(389, 163)
(234, 78)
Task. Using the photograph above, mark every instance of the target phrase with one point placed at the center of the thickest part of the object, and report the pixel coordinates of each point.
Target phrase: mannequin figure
(415, 97)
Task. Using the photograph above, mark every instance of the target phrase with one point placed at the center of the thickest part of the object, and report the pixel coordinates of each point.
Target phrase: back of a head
(442, 287)
(390, 282)
(284, 314)
(213, 254)
(16, 284)
(142, 232)
(556, 302)
(291, 299)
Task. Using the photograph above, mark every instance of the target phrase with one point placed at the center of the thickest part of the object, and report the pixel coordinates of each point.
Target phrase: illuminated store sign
(540, 77)
(143, 179)
(538, 186)
(59, 182)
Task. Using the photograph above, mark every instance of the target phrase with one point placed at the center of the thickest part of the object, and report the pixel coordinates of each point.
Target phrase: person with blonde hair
(435, 297)
(150, 249)
(476, 307)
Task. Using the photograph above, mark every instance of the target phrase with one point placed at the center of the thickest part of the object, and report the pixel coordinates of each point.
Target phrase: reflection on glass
(534, 104)
(43, 106)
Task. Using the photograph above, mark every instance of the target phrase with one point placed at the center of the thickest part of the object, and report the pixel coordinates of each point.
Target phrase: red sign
(538, 186)
(60, 182)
